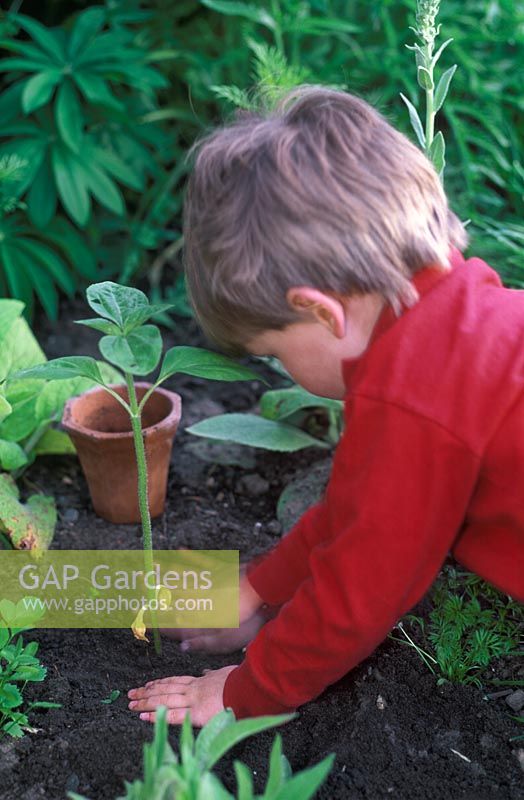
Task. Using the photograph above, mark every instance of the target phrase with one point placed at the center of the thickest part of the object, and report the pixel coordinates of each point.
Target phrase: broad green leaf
(305, 784)
(231, 8)
(204, 364)
(11, 456)
(96, 90)
(415, 121)
(86, 27)
(207, 735)
(139, 352)
(29, 672)
(104, 189)
(102, 325)
(5, 408)
(115, 302)
(55, 443)
(437, 152)
(73, 246)
(69, 118)
(9, 311)
(255, 431)
(4, 637)
(71, 185)
(240, 730)
(281, 403)
(443, 86)
(42, 197)
(60, 368)
(38, 90)
(43, 285)
(19, 348)
(115, 166)
(42, 254)
(48, 40)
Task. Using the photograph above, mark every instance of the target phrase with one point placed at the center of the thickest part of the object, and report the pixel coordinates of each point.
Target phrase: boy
(322, 236)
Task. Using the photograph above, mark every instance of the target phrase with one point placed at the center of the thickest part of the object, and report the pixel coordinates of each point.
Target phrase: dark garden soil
(395, 733)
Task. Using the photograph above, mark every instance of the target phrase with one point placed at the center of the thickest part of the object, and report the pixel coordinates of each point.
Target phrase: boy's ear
(327, 310)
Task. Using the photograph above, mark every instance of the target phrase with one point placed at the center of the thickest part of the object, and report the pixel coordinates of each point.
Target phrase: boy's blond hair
(323, 192)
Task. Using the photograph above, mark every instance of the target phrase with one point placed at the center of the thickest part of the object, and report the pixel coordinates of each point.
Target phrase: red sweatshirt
(431, 461)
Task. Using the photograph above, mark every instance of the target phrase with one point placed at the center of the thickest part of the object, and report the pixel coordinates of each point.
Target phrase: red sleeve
(398, 494)
(276, 576)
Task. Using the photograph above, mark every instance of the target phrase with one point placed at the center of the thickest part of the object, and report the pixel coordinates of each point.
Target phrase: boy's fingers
(173, 716)
(183, 633)
(151, 702)
(180, 679)
(150, 691)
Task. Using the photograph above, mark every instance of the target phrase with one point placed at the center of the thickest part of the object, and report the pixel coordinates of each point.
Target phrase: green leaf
(119, 304)
(424, 78)
(103, 188)
(255, 431)
(11, 456)
(69, 118)
(10, 310)
(48, 40)
(113, 695)
(5, 408)
(86, 27)
(96, 90)
(10, 696)
(319, 26)
(17, 280)
(102, 325)
(73, 246)
(244, 782)
(276, 772)
(442, 87)
(208, 734)
(51, 261)
(71, 186)
(42, 197)
(19, 349)
(437, 152)
(240, 730)
(54, 443)
(35, 674)
(305, 784)
(415, 121)
(38, 90)
(139, 352)
(45, 704)
(204, 364)
(231, 8)
(115, 166)
(281, 403)
(60, 368)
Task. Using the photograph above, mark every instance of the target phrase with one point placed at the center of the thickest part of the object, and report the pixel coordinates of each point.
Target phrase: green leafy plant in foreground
(18, 667)
(189, 776)
(471, 624)
(135, 347)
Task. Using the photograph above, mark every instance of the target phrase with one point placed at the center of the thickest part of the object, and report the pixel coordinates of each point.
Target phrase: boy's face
(312, 351)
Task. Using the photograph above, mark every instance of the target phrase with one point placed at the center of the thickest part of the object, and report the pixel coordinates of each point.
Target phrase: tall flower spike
(427, 11)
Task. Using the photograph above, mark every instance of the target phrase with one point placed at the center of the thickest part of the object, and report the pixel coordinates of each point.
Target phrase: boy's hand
(202, 697)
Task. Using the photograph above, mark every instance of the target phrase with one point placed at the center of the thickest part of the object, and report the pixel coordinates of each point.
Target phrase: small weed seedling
(189, 776)
(135, 347)
(114, 694)
(18, 667)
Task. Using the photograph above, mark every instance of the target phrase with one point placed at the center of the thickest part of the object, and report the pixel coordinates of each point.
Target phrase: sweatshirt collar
(423, 281)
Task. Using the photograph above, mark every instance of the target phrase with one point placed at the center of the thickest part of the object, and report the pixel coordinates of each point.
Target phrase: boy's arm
(397, 498)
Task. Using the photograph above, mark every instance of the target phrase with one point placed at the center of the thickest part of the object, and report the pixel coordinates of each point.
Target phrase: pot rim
(170, 421)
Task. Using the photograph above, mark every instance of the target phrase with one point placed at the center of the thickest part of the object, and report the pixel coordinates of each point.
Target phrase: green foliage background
(188, 48)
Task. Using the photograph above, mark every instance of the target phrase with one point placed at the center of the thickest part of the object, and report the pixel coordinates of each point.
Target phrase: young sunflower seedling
(135, 347)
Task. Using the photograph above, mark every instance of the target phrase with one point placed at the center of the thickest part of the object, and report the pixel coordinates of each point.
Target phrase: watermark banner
(112, 588)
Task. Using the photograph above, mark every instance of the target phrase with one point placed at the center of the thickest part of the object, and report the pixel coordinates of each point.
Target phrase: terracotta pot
(100, 429)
